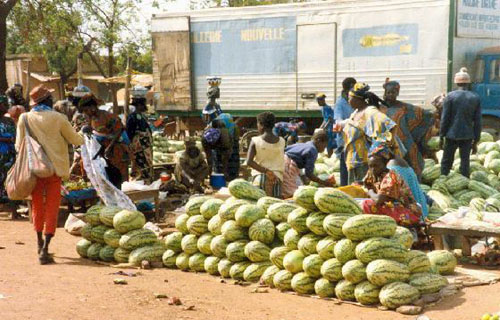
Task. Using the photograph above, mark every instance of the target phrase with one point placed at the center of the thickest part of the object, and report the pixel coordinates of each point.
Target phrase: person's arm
(309, 172)
(445, 120)
(477, 126)
(131, 126)
(250, 159)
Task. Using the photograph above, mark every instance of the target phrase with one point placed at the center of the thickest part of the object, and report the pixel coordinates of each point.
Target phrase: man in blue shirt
(327, 125)
(460, 125)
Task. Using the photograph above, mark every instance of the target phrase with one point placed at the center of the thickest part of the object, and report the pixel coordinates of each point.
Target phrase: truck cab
(487, 86)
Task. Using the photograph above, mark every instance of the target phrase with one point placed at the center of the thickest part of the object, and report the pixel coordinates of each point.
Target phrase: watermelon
(312, 265)
(486, 137)
(228, 209)
(482, 188)
(137, 238)
(403, 236)
(344, 290)
(232, 232)
(235, 251)
(303, 283)
(248, 214)
(333, 225)
(418, 261)
(456, 182)
(97, 233)
(315, 223)
(297, 220)
(344, 250)
(107, 214)
(279, 212)
(304, 197)
(210, 208)
(282, 280)
(218, 246)
(82, 247)
(293, 261)
(307, 244)
(87, 232)
(325, 248)
(324, 288)
(181, 223)
(189, 244)
(256, 251)
(254, 271)
(121, 255)
(265, 202)
(238, 269)
(112, 238)
(107, 253)
(125, 221)
(153, 253)
(381, 272)
(427, 283)
(332, 270)
(194, 204)
(429, 174)
(93, 251)
(291, 239)
(444, 261)
(366, 293)
(224, 267)
(354, 271)
(214, 225)
(366, 226)
(380, 248)
(396, 294)
(262, 230)
(277, 255)
(173, 241)
(268, 275)
(182, 261)
(211, 264)
(197, 225)
(92, 215)
(243, 189)
(204, 242)
(330, 200)
(479, 176)
(433, 144)
(169, 257)
(197, 262)
(281, 230)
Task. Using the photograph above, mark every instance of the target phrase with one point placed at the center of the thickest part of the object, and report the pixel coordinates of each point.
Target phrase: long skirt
(291, 178)
(403, 216)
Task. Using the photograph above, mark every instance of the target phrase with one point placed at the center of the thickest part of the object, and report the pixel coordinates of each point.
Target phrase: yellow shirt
(270, 155)
(54, 132)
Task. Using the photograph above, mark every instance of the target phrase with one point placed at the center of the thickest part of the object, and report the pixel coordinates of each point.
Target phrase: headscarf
(380, 149)
(227, 119)
(89, 99)
(388, 84)
(360, 90)
(211, 136)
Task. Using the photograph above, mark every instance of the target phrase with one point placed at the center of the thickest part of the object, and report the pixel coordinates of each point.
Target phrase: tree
(5, 8)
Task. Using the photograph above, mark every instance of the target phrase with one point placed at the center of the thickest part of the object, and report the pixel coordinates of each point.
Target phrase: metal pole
(126, 110)
(28, 85)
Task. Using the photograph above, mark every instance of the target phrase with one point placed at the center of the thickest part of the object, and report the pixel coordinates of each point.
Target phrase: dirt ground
(75, 288)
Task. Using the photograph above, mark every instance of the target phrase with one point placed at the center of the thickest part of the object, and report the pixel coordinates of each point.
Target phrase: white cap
(462, 76)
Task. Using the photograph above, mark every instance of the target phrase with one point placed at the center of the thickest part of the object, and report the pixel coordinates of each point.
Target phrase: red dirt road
(75, 288)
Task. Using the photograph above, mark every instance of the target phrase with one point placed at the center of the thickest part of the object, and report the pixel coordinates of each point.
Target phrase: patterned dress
(141, 147)
(7, 153)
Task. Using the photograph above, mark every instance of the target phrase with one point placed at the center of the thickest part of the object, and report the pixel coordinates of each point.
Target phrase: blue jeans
(450, 146)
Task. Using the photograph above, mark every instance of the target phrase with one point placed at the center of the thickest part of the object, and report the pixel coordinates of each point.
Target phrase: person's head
(41, 95)
(358, 95)
(320, 140)
(211, 137)
(62, 106)
(265, 122)
(4, 105)
(213, 93)
(88, 105)
(301, 127)
(391, 90)
(462, 78)
(347, 85)
(321, 99)
(139, 103)
(379, 155)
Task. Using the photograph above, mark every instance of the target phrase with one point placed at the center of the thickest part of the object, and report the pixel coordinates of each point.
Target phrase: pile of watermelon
(112, 234)
(480, 193)
(320, 243)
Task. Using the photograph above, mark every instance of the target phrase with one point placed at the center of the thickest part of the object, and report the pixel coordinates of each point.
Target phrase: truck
(279, 57)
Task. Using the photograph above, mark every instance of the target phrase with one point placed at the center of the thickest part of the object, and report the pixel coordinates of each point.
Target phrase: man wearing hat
(328, 121)
(460, 124)
(191, 168)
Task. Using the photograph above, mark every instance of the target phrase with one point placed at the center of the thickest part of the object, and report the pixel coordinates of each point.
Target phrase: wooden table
(441, 229)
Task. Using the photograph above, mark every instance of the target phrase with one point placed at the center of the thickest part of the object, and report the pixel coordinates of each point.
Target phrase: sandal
(46, 258)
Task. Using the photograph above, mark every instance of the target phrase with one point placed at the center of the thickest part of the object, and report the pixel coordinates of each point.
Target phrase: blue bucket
(217, 180)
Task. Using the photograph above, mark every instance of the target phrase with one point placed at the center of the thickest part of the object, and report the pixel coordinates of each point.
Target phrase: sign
(478, 19)
(388, 40)
(247, 46)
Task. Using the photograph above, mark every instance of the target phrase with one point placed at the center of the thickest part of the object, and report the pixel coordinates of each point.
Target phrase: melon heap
(116, 235)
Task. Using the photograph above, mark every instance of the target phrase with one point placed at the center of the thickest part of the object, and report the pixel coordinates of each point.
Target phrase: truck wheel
(492, 125)
(246, 139)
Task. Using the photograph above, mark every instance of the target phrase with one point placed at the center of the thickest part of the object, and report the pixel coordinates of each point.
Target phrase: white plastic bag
(73, 225)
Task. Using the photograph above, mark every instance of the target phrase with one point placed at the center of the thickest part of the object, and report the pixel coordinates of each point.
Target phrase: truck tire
(491, 124)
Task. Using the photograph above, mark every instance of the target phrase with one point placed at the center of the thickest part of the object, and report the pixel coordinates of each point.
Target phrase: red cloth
(45, 211)
(403, 216)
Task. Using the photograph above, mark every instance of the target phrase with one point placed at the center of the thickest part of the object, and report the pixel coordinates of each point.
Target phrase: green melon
(354, 271)
(262, 230)
(210, 208)
(380, 248)
(121, 255)
(197, 225)
(279, 212)
(189, 244)
(97, 233)
(92, 215)
(277, 255)
(330, 200)
(112, 238)
(181, 223)
(197, 262)
(214, 225)
(307, 244)
(312, 265)
(257, 251)
(87, 232)
(93, 251)
(418, 261)
(243, 189)
(268, 275)
(303, 283)
(204, 242)
(304, 197)
(315, 223)
(291, 239)
(82, 247)
(281, 230)
(366, 293)
(107, 253)
(325, 248)
(293, 261)
(265, 202)
(228, 209)
(403, 236)
(232, 232)
(235, 251)
(218, 246)
(381, 272)
(224, 267)
(282, 280)
(137, 238)
(173, 241)
(247, 214)
(254, 271)
(211, 265)
(182, 261)
(444, 261)
(428, 282)
(396, 294)
(344, 250)
(344, 290)
(107, 214)
(238, 269)
(366, 226)
(194, 204)
(297, 220)
(332, 224)
(324, 288)
(331, 270)
(152, 253)
(125, 221)
(169, 257)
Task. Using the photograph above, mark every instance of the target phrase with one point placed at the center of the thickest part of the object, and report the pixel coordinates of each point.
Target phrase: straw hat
(40, 93)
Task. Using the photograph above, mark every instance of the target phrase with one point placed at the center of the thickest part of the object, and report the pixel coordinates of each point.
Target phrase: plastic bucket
(217, 180)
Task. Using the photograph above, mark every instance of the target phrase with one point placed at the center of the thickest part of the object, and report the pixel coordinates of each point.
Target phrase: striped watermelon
(243, 189)
(153, 253)
(333, 225)
(418, 261)
(224, 267)
(297, 220)
(97, 233)
(121, 255)
(204, 242)
(238, 269)
(282, 280)
(324, 288)
(265, 202)
(366, 293)
(107, 253)
(344, 250)
(254, 271)
(344, 290)
(235, 251)
(182, 261)
(293, 261)
(262, 230)
(194, 204)
(197, 262)
(189, 244)
(428, 282)
(403, 236)
(181, 223)
(82, 247)
(173, 241)
(125, 221)
(281, 230)
(354, 271)
(211, 265)
(137, 238)
(197, 225)
(107, 214)
(366, 226)
(232, 232)
(87, 232)
(330, 200)
(210, 208)
(325, 248)
(381, 272)
(307, 244)
(93, 251)
(248, 214)
(397, 294)
(312, 265)
(304, 197)
(279, 212)
(303, 283)
(228, 209)
(92, 215)
(332, 270)
(444, 261)
(268, 275)
(169, 258)
(315, 223)
(291, 239)
(256, 251)
(214, 225)
(277, 254)
(218, 246)
(112, 238)
(381, 248)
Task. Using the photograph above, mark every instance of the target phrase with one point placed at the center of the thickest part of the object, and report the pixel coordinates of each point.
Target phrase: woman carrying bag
(53, 132)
